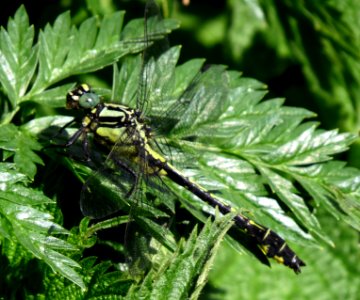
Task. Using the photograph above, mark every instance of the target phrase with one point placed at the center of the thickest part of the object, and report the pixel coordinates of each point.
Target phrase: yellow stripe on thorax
(111, 135)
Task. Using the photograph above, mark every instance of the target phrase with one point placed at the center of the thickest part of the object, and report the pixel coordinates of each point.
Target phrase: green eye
(89, 100)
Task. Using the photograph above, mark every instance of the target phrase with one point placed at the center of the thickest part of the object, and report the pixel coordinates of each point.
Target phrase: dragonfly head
(82, 98)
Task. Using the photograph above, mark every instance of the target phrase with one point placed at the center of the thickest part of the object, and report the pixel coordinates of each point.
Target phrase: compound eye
(89, 100)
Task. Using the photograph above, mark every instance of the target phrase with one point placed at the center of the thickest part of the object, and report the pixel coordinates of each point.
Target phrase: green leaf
(188, 266)
(126, 81)
(54, 97)
(307, 146)
(287, 193)
(100, 283)
(23, 221)
(65, 50)
(337, 181)
(10, 175)
(18, 56)
(22, 148)
(270, 137)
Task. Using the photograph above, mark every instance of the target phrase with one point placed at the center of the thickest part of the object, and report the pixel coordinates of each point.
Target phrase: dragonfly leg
(85, 146)
(81, 133)
(75, 137)
(58, 133)
(71, 141)
(64, 127)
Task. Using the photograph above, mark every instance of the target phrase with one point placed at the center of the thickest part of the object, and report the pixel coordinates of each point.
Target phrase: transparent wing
(198, 104)
(153, 26)
(108, 190)
(169, 117)
(134, 83)
(116, 180)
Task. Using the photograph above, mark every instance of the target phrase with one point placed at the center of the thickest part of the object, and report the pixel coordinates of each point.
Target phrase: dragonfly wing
(115, 187)
(115, 179)
(153, 28)
(197, 103)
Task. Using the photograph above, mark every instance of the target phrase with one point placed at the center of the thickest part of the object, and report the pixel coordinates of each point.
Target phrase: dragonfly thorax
(109, 122)
(117, 124)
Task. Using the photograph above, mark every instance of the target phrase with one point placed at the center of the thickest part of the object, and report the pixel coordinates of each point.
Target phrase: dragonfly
(124, 131)
(131, 142)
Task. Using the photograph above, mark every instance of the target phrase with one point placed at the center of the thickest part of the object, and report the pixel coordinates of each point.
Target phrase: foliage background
(306, 51)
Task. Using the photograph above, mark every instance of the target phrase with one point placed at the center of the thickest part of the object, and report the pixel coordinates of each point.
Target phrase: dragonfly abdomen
(271, 244)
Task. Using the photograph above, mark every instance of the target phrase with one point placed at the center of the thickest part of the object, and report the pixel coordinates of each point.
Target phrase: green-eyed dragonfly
(124, 131)
(130, 140)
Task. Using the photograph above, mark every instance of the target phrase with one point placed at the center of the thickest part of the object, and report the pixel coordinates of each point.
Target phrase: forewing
(153, 27)
(107, 191)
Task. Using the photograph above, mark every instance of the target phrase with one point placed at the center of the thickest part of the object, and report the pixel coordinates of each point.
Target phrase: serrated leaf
(54, 44)
(24, 196)
(264, 133)
(310, 146)
(54, 97)
(84, 50)
(39, 125)
(30, 226)
(191, 262)
(333, 180)
(101, 283)
(10, 175)
(126, 81)
(18, 56)
(287, 193)
(22, 147)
